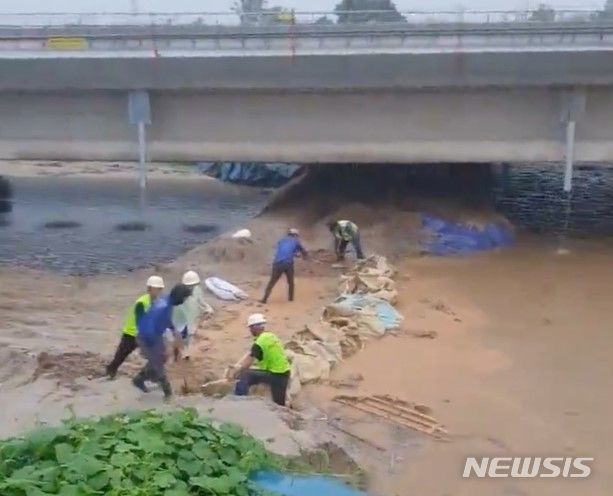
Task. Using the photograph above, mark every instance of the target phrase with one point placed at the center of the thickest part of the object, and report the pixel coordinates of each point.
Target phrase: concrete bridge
(471, 92)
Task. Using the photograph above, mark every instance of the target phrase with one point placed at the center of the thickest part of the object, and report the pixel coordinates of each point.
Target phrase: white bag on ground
(224, 290)
(242, 234)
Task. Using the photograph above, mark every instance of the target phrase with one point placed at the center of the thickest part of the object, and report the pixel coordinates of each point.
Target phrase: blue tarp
(386, 313)
(295, 485)
(449, 238)
(250, 174)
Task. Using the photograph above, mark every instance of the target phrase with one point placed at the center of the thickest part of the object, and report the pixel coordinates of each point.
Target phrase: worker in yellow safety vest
(127, 343)
(265, 363)
(345, 232)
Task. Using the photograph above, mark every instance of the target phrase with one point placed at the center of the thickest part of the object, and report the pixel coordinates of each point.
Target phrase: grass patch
(137, 454)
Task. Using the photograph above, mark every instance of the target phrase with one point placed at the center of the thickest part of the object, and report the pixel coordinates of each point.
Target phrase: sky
(15, 6)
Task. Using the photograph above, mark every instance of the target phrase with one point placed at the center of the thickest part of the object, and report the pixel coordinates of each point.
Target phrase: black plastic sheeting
(250, 174)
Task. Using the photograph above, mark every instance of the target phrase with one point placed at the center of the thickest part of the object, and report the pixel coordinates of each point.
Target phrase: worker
(127, 343)
(345, 232)
(271, 364)
(187, 317)
(151, 330)
(288, 248)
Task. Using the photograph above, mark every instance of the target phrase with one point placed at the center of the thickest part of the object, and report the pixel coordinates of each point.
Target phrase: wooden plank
(397, 411)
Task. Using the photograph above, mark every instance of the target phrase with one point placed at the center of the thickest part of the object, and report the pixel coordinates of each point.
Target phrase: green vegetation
(138, 454)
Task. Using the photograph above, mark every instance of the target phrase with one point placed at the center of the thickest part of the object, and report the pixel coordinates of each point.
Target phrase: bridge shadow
(326, 187)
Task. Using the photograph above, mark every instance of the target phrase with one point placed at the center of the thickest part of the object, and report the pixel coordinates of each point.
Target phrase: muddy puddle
(88, 225)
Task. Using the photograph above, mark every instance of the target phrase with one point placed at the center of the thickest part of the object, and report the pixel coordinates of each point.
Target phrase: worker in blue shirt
(283, 263)
(151, 329)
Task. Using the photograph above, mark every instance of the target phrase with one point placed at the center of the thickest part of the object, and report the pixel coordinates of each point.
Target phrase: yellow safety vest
(273, 355)
(346, 230)
(130, 328)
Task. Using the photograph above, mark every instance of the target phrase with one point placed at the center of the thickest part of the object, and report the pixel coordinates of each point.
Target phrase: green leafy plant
(137, 454)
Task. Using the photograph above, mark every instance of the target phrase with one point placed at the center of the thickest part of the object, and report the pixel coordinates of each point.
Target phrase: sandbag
(294, 386)
(224, 290)
(389, 317)
(381, 287)
(375, 265)
(362, 312)
(242, 234)
(328, 350)
(312, 368)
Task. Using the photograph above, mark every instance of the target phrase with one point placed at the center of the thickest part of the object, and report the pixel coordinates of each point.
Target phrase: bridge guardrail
(187, 31)
(91, 37)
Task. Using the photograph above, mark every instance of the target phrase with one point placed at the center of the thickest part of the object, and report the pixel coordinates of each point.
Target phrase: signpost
(139, 111)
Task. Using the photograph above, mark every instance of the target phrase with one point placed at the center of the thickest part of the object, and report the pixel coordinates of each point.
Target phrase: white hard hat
(190, 278)
(155, 282)
(256, 319)
(293, 231)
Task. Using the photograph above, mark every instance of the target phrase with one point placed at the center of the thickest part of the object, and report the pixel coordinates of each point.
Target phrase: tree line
(258, 12)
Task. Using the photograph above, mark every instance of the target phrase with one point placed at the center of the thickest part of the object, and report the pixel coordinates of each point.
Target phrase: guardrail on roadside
(249, 36)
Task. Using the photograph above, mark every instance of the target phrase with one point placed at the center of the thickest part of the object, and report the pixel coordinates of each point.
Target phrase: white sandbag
(242, 234)
(224, 290)
(310, 368)
(294, 385)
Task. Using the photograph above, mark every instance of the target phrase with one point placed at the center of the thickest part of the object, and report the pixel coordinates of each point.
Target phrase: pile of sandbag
(362, 311)
(373, 276)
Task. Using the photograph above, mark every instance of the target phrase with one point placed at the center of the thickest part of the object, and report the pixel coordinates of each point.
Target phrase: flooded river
(85, 225)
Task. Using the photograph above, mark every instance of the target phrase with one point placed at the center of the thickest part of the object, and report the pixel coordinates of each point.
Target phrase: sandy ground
(28, 168)
(520, 364)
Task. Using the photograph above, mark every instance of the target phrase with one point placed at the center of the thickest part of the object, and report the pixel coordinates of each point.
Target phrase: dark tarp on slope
(250, 174)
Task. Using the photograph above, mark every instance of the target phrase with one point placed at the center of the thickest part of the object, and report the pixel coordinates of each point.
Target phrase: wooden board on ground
(398, 411)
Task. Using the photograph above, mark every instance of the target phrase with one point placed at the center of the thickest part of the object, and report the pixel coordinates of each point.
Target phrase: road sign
(139, 107)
